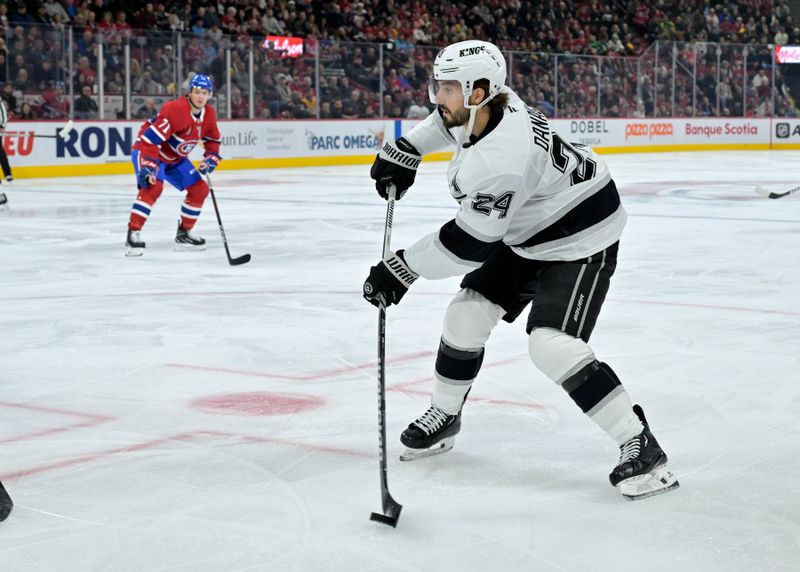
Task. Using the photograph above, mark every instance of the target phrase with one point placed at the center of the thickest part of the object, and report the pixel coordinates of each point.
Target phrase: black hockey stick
(244, 258)
(60, 133)
(766, 193)
(391, 508)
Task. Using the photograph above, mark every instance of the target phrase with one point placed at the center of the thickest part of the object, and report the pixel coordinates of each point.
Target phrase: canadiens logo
(186, 147)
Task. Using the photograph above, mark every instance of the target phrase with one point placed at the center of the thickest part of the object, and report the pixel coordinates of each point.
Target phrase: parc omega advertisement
(105, 147)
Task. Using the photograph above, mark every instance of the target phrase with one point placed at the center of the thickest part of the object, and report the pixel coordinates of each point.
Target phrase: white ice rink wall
(104, 147)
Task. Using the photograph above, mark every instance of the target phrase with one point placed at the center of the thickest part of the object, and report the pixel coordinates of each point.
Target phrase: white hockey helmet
(467, 62)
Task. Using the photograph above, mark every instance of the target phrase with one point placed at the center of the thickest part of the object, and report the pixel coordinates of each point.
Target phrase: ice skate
(642, 470)
(3, 202)
(432, 434)
(185, 240)
(134, 244)
(9, 178)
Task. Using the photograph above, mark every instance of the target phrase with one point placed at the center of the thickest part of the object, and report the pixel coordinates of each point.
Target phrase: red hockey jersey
(175, 131)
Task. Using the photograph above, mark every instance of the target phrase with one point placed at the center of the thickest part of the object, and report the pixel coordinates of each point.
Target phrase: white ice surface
(175, 413)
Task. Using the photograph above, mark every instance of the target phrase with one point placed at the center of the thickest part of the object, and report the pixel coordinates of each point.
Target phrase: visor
(450, 88)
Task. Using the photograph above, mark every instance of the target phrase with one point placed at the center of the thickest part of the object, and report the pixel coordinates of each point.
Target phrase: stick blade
(66, 129)
(244, 259)
(383, 519)
(770, 195)
(391, 512)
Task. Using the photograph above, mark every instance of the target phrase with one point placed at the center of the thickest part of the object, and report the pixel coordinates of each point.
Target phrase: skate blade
(182, 247)
(658, 481)
(442, 446)
(134, 251)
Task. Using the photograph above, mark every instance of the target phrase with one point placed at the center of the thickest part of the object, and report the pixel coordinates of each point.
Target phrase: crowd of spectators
(372, 58)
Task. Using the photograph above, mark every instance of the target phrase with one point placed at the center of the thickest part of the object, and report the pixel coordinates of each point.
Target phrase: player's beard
(455, 118)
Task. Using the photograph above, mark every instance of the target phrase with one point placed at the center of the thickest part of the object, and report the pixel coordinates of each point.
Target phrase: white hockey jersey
(518, 184)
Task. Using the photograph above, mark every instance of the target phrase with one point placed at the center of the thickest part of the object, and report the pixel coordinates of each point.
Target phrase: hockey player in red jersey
(161, 154)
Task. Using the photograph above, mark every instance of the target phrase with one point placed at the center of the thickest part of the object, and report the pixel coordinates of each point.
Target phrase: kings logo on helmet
(470, 51)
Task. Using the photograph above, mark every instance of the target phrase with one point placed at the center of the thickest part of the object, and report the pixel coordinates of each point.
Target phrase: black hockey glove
(396, 165)
(389, 280)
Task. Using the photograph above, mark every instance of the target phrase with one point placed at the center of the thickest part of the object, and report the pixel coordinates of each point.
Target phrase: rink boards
(104, 147)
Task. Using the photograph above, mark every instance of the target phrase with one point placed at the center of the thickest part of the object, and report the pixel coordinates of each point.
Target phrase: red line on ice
(100, 455)
(90, 457)
(706, 306)
(54, 410)
(355, 293)
(91, 419)
(53, 431)
(404, 387)
(305, 377)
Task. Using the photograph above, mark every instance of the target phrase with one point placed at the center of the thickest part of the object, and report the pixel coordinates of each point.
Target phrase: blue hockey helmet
(202, 81)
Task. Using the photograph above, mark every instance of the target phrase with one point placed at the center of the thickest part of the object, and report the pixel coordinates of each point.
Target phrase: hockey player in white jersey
(538, 222)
